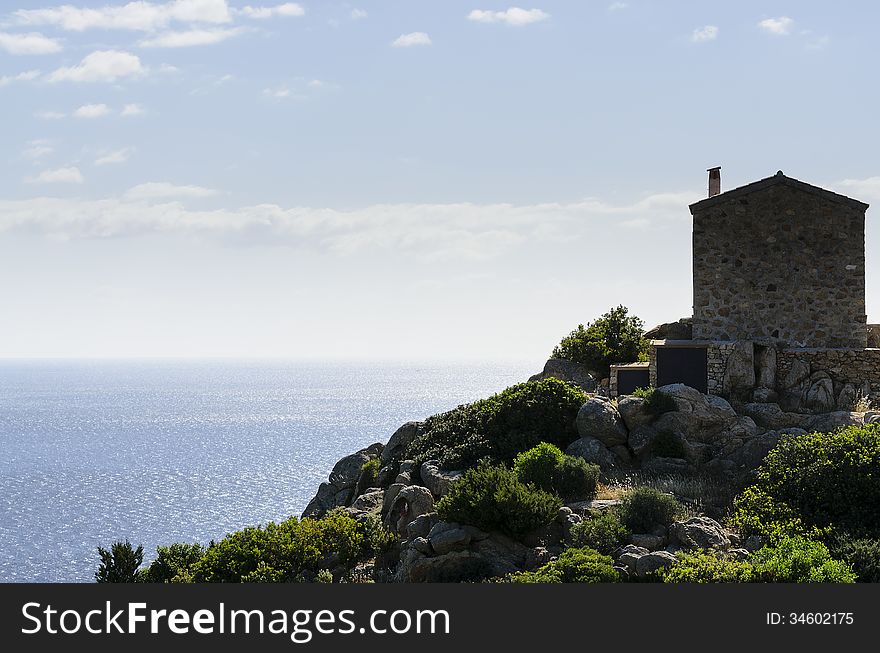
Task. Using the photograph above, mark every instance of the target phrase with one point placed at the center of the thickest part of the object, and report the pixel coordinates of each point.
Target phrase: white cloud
(288, 9)
(513, 16)
(37, 149)
(114, 157)
(358, 14)
(779, 26)
(92, 111)
(70, 175)
(278, 92)
(26, 76)
(137, 16)
(425, 231)
(705, 33)
(163, 190)
(132, 110)
(50, 115)
(867, 189)
(30, 43)
(411, 39)
(101, 66)
(190, 38)
(617, 6)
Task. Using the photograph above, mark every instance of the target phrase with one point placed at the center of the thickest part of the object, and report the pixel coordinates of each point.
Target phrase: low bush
(173, 564)
(641, 510)
(707, 568)
(816, 482)
(548, 468)
(798, 560)
(500, 427)
(862, 554)
(656, 403)
(580, 565)
(604, 533)
(281, 552)
(493, 498)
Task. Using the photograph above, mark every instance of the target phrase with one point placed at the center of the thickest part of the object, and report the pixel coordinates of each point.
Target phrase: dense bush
(604, 533)
(616, 337)
(173, 564)
(707, 568)
(501, 426)
(369, 476)
(281, 552)
(120, 563)
(491, 497)
(656, 403)
(862, 554)
(644, 508)
(580, 565)
(817, 481)
(548, 468)
(798, 560)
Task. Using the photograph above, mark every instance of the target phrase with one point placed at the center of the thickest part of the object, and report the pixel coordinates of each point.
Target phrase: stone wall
(780, 264)
(716, 362)
(847, 371)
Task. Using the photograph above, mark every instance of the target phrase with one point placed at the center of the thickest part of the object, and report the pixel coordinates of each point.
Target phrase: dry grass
(701, 495)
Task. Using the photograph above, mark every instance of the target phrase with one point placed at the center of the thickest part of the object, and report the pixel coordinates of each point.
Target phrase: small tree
(616, 337)
(120, 564)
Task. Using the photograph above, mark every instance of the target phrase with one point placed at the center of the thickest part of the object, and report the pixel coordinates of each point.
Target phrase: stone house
(779, 300)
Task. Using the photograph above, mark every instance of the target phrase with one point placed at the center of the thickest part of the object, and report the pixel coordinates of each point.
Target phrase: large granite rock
(739, 372)
(819, 397)
(411, 502)
(437, 480)
(598, 418)
(699, 533)
(568, 371)
(399, 441)
(633, 412)
(593, 451)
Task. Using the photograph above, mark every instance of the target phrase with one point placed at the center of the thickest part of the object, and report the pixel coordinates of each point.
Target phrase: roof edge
(778, 178)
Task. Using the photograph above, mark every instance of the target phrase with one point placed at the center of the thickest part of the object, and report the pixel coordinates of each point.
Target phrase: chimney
(714, 181)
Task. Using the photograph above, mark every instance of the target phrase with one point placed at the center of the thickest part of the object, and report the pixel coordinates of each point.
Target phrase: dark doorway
(629, 380)
(682, 365)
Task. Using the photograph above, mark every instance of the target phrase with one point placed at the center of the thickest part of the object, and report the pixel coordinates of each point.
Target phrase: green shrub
(500, 427)
(707, 568)
(862, 554)
(281, 552)
(581, 565)
(668, 445)
(491, 497)
(798, 560)
(616, 337)
(548, 468)
(120, 563)
(641, 510)
(656, 403)
(604, 533)
(369, 476)
(817, 481)
(173, 564)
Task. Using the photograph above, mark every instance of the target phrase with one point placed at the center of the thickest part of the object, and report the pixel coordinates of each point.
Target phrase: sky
(397, 179)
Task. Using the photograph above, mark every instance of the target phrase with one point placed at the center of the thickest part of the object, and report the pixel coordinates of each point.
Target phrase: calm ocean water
(160, 452)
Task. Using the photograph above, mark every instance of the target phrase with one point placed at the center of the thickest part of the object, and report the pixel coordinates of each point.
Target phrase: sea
(161, 451)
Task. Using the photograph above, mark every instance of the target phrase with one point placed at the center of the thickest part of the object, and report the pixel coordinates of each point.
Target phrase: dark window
(629, 380)
(682, 365)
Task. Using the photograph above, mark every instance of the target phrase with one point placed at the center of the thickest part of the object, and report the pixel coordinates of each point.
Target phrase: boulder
(347, 471)
(629, 555)
(739, 371)
(446, 537)
(593, 451)
(421, 525)
(633, 412)
(650, 563)
(640, 439)
(435, 479)
(399, 441)
(457, 566)
(765, 367)
(819, 397)
(422, 545)
(371, 501)
(501, 555)
(599, 419)
(752, 451)
(568, 371)
(648, 541)
(699, 533)
(681, 330)
(794, 384)
(828, 422)
(322, 502)
(771, 416)
(390, 495)
(765, 396)
(668, 467)
(847, 397)
(410, 503)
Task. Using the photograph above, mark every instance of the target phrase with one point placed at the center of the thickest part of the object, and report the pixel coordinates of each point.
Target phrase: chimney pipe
(714, 181)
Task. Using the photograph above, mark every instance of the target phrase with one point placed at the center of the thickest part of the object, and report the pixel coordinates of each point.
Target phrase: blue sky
(396, 179)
